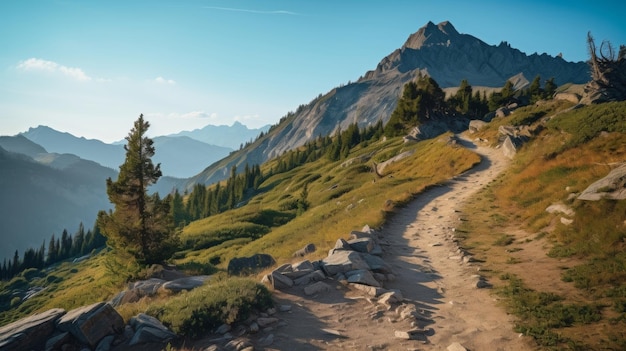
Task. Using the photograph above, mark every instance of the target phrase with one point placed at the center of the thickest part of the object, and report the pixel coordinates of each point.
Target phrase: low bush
(203, 309)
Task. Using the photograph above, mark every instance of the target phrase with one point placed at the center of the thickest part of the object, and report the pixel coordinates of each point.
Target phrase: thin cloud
(262, 12)
(35, 64)
(162, 80)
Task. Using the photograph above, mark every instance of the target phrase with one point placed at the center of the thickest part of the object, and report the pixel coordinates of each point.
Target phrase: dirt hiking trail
(431, 274)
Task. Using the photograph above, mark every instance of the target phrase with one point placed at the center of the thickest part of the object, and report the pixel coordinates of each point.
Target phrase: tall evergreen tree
(140, 224)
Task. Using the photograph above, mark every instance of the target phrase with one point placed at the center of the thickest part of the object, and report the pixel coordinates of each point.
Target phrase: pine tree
(140, 225)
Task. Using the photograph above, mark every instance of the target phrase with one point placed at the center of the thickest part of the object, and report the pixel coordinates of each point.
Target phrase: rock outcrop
(613, 186)
(95, 327)
(436, 50)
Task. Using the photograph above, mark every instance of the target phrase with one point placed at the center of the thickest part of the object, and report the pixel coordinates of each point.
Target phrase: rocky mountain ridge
(436, 50)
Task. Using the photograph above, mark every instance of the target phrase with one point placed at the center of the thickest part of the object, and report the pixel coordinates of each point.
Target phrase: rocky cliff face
(437, 50)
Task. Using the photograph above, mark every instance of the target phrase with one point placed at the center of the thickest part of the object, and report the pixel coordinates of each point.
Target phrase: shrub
(203, 309)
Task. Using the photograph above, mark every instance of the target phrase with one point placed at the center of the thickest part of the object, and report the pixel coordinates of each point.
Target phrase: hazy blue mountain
(183, 157)
(439, 51)
(55, 141)
(227, 136)
(46, 196)
(180, 156)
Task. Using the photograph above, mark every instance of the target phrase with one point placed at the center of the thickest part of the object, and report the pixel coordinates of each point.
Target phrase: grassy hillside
(343, 196)
(566, 283)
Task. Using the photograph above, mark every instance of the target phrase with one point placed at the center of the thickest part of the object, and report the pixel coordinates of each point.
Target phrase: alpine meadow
(458, 196)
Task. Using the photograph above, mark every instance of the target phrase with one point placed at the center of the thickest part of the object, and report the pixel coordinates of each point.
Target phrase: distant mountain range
(51, 180)
(435, 50)
(227, 136)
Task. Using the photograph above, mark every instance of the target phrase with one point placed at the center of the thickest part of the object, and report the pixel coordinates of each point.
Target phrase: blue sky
(91, 67)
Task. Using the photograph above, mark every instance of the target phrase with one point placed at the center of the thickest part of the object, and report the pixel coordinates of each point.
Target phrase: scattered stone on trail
(280, 281)
(455, 346)
(312, 277)
(266, 321)
(343, 261)
(31, 332)
(362, 276)
(316, 288)
(369, 290)
(365, 245)
(239, 265)
(89, 324)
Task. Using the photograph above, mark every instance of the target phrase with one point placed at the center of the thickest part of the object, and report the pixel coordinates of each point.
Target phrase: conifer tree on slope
(140, 224)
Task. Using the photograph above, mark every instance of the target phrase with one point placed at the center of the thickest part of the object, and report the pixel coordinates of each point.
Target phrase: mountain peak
(430, 34)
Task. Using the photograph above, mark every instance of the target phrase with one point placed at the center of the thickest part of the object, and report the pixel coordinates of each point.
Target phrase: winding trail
(430, 273)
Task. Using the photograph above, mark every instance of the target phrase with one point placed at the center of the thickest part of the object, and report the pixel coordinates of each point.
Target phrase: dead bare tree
(608, 73)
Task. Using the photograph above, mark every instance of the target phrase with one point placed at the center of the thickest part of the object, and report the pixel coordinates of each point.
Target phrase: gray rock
(266, 321)
(316, 288)
(314, 276)
(562, 208)
(239, 344)
(369, 290)
(239, 265)
(343, 261)
(30, 332)
(476, 125)
(187, 283)
(148, 334)
(362, 276)
(89, 324)
(223, 329)
(342, 244)
(305, 265)
(309, 248)
(55, 342)
(105, 343)
(148, 287)
(365, 245)
(355, 234)
(390, 297)
(376, 264)
(280, 281)
(502, 112)
(613, 186)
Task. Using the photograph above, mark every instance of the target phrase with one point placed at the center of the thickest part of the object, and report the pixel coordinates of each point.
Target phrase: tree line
(423, 99)
(59, 249)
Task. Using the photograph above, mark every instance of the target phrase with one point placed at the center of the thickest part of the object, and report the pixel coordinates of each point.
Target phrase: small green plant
(203, 309)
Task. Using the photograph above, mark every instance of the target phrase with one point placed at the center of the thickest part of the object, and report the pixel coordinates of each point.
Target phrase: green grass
(203, 309)
(565, 157)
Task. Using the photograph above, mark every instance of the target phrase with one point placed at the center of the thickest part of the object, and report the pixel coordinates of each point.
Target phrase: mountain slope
(437, 50)
(38, 199)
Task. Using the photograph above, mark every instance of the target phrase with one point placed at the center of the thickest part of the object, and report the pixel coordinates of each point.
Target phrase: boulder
(562, 208)
(279, 281)
(510, 145)
(342, 244)
(369, 290)
(613, 187)
(571, 97)
(89, 324)
(314, 276)
(319, 287)
(365, 245)
(342, 261)
(476, 125)
(187, 283)
(376, 264)
(149, 287)
(362, 276)
(239, 265)
(309, 248)
(149, 330)
(30, 333)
